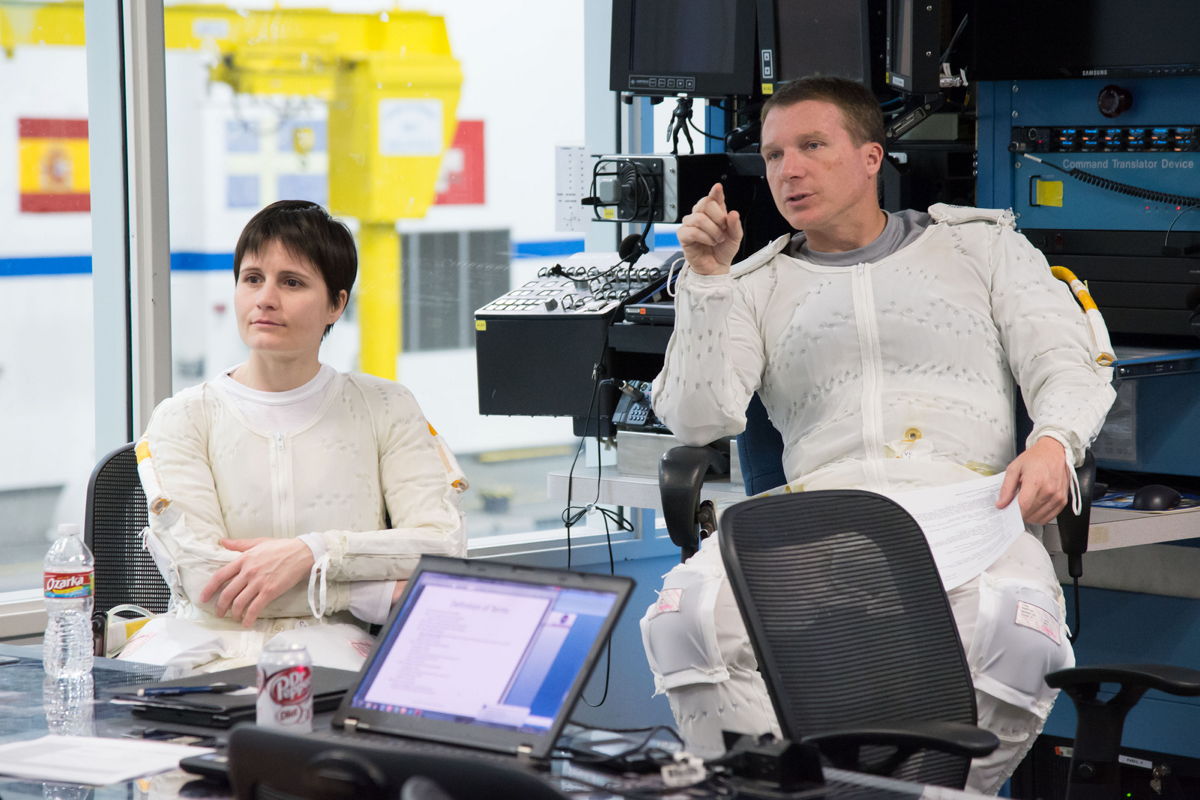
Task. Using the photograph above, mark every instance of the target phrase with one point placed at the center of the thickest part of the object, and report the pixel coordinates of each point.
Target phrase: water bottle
(67, 583)
(69, 705)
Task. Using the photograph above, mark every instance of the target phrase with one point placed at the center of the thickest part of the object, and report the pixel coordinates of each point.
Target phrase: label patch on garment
(1038, 619)
(668, 601)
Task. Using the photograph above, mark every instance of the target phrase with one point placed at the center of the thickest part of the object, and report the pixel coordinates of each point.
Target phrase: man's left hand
(266, 569)
(1040, 475)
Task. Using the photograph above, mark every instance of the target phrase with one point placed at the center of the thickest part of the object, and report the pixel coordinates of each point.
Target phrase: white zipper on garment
(872, 368)
(281, 471)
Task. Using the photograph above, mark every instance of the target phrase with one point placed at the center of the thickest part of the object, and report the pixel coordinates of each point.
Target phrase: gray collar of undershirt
(902, 228)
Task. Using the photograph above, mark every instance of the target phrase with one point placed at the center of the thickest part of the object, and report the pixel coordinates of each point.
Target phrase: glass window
(498, 184)
(269, 101)
(46, 354)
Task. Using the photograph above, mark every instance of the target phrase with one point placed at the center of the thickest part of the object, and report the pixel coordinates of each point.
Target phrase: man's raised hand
(711, 234)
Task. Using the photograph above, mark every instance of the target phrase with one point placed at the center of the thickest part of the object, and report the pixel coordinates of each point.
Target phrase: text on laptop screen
(484, 651)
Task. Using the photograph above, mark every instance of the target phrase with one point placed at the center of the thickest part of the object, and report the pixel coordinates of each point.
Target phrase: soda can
(285, 687)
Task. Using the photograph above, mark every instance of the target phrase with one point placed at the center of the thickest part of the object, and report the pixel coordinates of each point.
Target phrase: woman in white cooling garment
(287, 497)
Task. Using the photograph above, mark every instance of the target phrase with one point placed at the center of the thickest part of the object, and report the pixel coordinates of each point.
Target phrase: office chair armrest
(1163, 677)
(1073, 528)
(680, 475)
(1095, 755)
(955, 738)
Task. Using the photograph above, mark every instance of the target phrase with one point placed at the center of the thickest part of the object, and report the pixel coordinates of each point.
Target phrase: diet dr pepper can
(285, 687)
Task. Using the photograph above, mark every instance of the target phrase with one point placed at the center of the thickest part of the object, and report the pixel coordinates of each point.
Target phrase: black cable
(1171, 227)
(612, 570)
(641, 747)
(962, 26)
(649, 190)
(605, 514)
(571, 515)
(1078, 622)
(715, 780)
(1121, 188)
(588, 727)
(706, 134)
(570, 519)
(652, 195)
(607, 672)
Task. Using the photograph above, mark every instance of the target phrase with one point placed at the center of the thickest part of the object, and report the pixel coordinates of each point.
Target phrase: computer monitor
(825, 38)
(914, 45)
(701, 48)
(1026, 39)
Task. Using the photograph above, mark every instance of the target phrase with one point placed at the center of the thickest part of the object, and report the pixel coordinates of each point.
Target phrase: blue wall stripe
(566, 247)
(554, 247)
(56, 265)
(82, 265)
(219, 262)
(201, 262)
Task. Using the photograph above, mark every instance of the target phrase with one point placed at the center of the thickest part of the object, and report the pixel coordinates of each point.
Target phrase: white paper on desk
(91, 760)
(965, 530)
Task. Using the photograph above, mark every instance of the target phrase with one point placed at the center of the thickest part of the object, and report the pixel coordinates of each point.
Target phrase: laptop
(485, 655)
(478, 659)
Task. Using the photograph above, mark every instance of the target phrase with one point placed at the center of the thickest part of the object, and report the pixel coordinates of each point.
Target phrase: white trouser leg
(701, 656)
(1016, 728)
(703, 710)
(1011, 622)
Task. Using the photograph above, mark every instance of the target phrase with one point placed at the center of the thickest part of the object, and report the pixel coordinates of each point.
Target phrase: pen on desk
(171, 691)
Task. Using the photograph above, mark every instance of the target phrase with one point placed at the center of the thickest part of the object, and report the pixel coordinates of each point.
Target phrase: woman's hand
(267, 569)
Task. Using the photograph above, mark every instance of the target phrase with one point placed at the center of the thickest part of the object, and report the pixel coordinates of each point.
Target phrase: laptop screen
(487, 651)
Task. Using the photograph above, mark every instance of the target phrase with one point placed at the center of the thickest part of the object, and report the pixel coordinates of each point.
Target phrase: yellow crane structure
(392, 87)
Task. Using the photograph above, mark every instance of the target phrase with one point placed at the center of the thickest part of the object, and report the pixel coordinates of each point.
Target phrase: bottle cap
(69, 529)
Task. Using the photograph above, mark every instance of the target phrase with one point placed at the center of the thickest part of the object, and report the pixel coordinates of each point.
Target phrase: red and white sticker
(1038, 619)
(668, 601)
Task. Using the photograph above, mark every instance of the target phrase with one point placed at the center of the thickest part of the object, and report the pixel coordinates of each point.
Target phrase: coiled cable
(1121, 188)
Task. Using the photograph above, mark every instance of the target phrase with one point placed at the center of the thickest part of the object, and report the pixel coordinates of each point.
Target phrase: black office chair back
(848, 618)
(116, 514)
(269, 765)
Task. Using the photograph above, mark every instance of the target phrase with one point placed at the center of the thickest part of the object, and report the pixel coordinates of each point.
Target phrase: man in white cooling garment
(885, 348)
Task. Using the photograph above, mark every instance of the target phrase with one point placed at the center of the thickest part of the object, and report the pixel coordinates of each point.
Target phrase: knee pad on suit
(1020, 636)
(693, 632)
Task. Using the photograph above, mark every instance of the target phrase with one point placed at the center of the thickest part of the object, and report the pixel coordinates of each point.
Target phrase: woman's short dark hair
(305, 230)
(860, 109)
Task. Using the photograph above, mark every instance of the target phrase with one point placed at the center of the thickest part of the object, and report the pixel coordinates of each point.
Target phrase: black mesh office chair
(854, 634)
(267, 765)
(116, 514)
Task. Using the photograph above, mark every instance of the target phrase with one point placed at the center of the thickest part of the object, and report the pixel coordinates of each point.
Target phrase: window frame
(127, 139)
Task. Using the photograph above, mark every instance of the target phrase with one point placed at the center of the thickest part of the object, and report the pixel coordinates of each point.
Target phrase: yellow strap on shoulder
(1103, 347)
(1078, 288)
